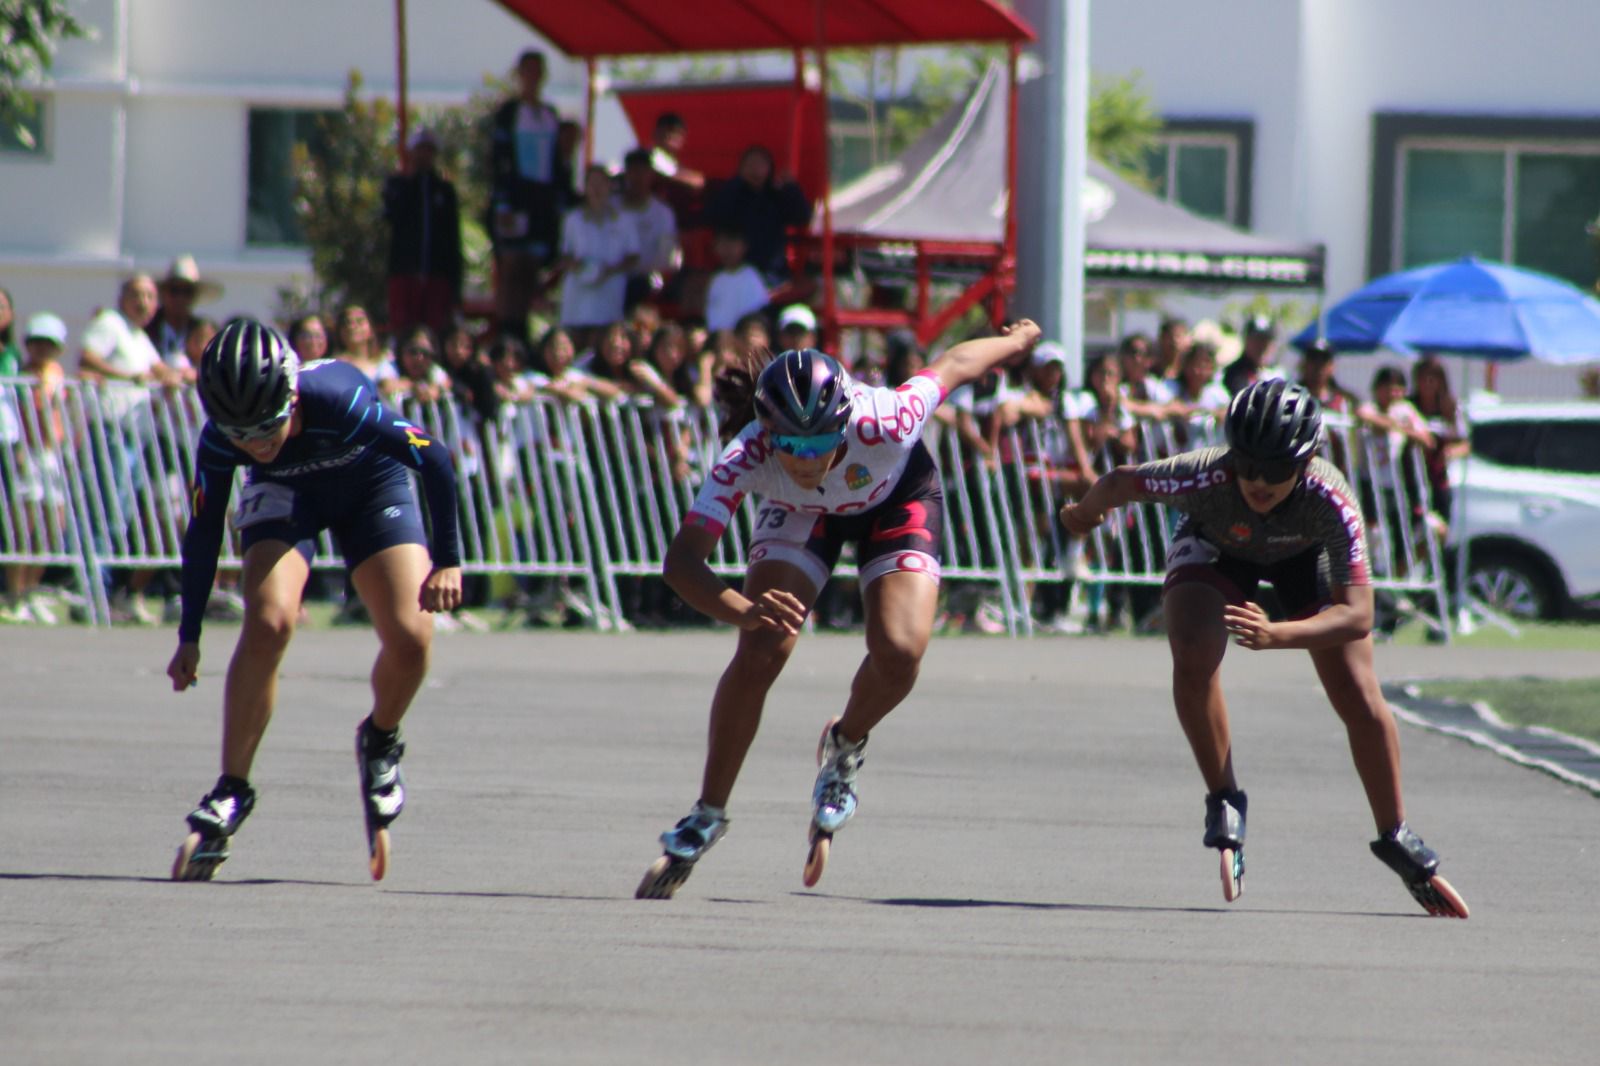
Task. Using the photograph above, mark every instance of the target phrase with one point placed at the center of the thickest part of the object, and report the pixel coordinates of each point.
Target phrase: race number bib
(263, 501)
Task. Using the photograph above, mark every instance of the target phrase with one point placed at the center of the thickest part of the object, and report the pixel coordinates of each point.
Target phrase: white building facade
(1393, 132)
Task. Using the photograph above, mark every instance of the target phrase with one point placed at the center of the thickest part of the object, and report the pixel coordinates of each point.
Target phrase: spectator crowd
(644, 285)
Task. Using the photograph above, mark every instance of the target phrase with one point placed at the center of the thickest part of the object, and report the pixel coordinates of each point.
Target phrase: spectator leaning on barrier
(1144, 394)
(40, 485)
(797, 327)
(1172, 340)
(181, 291)
(598, 249)
(308, 336)
(525, 199)
(1255, 362)
(655, 229)
(356, 343)
(424, 217)
(737, 288)
(118, 352)
(10, 353)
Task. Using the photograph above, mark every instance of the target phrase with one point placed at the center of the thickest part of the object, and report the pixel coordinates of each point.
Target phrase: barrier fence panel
(590, 495)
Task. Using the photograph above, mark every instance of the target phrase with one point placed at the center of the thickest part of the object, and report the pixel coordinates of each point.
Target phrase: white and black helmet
(1274, 421)
(247, 376)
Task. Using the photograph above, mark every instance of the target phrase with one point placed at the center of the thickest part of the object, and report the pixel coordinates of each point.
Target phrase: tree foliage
(29, 33)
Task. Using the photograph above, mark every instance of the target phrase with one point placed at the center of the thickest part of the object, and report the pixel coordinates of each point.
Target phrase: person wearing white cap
(424, 216)
(40, 484)
(797, 328)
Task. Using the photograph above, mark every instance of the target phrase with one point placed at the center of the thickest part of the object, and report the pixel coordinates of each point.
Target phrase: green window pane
(1557, 197)
(1155, 168)
(269, 207)
(22, 128)
(1203, 179)
(1454, 205)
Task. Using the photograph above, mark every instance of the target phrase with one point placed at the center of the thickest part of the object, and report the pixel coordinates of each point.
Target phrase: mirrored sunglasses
(807, 447)
(246, 434)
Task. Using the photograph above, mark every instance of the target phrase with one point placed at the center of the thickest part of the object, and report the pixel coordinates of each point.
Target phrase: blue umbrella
(1466, 307)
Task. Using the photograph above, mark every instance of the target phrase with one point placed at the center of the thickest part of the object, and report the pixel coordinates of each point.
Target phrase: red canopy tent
(597, 28)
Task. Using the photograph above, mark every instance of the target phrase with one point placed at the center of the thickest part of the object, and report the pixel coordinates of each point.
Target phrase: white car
(1530, 492)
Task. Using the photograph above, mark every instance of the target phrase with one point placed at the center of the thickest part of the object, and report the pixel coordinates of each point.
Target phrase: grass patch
(1570, 706)
(1536, 636)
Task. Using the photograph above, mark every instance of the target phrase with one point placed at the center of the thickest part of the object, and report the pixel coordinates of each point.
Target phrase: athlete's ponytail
(734, 391)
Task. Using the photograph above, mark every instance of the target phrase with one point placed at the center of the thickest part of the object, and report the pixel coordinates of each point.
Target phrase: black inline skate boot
(383, 789)
(1417, 864)
(221, 812)
(1225, 813)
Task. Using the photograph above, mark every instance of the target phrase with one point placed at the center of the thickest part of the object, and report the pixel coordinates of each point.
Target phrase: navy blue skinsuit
(345, 471)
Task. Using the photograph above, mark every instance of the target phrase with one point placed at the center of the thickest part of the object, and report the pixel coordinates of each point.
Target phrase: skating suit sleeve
(386, 431)
(215, 462)
(732, 476)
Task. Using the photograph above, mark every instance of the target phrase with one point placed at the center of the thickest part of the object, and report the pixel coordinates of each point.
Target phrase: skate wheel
(1232, 870)
(1439, 899)
(180, 865)
(663, 877)
(817, 858)
(379, 863)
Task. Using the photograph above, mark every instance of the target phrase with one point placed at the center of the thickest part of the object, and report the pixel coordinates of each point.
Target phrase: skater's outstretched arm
(1349, 619)
(970, 360)
(687, 574)
(1110, 491)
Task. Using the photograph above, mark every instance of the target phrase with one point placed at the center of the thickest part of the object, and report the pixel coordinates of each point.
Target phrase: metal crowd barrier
(96, 476)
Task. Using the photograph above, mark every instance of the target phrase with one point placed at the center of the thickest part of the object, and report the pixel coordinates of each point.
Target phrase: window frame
(1236, 136)
(1395, 133)
(250, 112)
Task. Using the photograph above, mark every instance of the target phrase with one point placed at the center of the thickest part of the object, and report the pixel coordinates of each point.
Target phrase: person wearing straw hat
(181, 291)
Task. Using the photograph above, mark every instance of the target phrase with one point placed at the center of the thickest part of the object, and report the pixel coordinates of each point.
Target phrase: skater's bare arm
(687, 574)
(970, 360)
(1347, 620)
(1108, 492)
(184, 669)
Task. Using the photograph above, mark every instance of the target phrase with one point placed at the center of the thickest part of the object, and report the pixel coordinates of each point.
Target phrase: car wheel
(1512, 585)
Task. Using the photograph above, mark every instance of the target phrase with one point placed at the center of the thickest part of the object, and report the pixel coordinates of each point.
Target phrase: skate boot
(221, 812)
(682, 846)
(833, 797)
(1416, 863)
(383, 790)
(1225, 811)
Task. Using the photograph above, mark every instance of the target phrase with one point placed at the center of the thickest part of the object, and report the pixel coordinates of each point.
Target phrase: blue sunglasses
(808, 447)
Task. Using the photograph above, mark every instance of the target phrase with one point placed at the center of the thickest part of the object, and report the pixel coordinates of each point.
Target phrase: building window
(27, 137)
(1522, 203)
(1203, 165)
(269, 208)
(1521, 191)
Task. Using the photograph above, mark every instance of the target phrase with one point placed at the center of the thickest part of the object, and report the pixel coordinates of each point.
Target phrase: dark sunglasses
(246, 434)
(1275, 472)
(807, 447)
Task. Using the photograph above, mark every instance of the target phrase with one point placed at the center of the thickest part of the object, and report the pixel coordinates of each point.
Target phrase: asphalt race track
(1024, 882)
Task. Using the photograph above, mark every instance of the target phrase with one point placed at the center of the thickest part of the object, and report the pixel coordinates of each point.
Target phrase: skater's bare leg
(390, 584)
(742, 692)
(901, 607)
(272, 581)
(1198, 641)
(1351, 683)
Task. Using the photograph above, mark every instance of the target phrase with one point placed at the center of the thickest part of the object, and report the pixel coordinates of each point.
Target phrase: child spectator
(598, 249)
(308, 336)
(1447, 423)
(655, 229)
(421, 377)
(554, 373)
(797, 328)
(40, 484)
(737, 288)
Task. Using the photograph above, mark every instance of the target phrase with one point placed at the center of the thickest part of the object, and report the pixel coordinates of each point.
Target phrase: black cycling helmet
(247, 376)
(803, 393)
(1273, 422)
